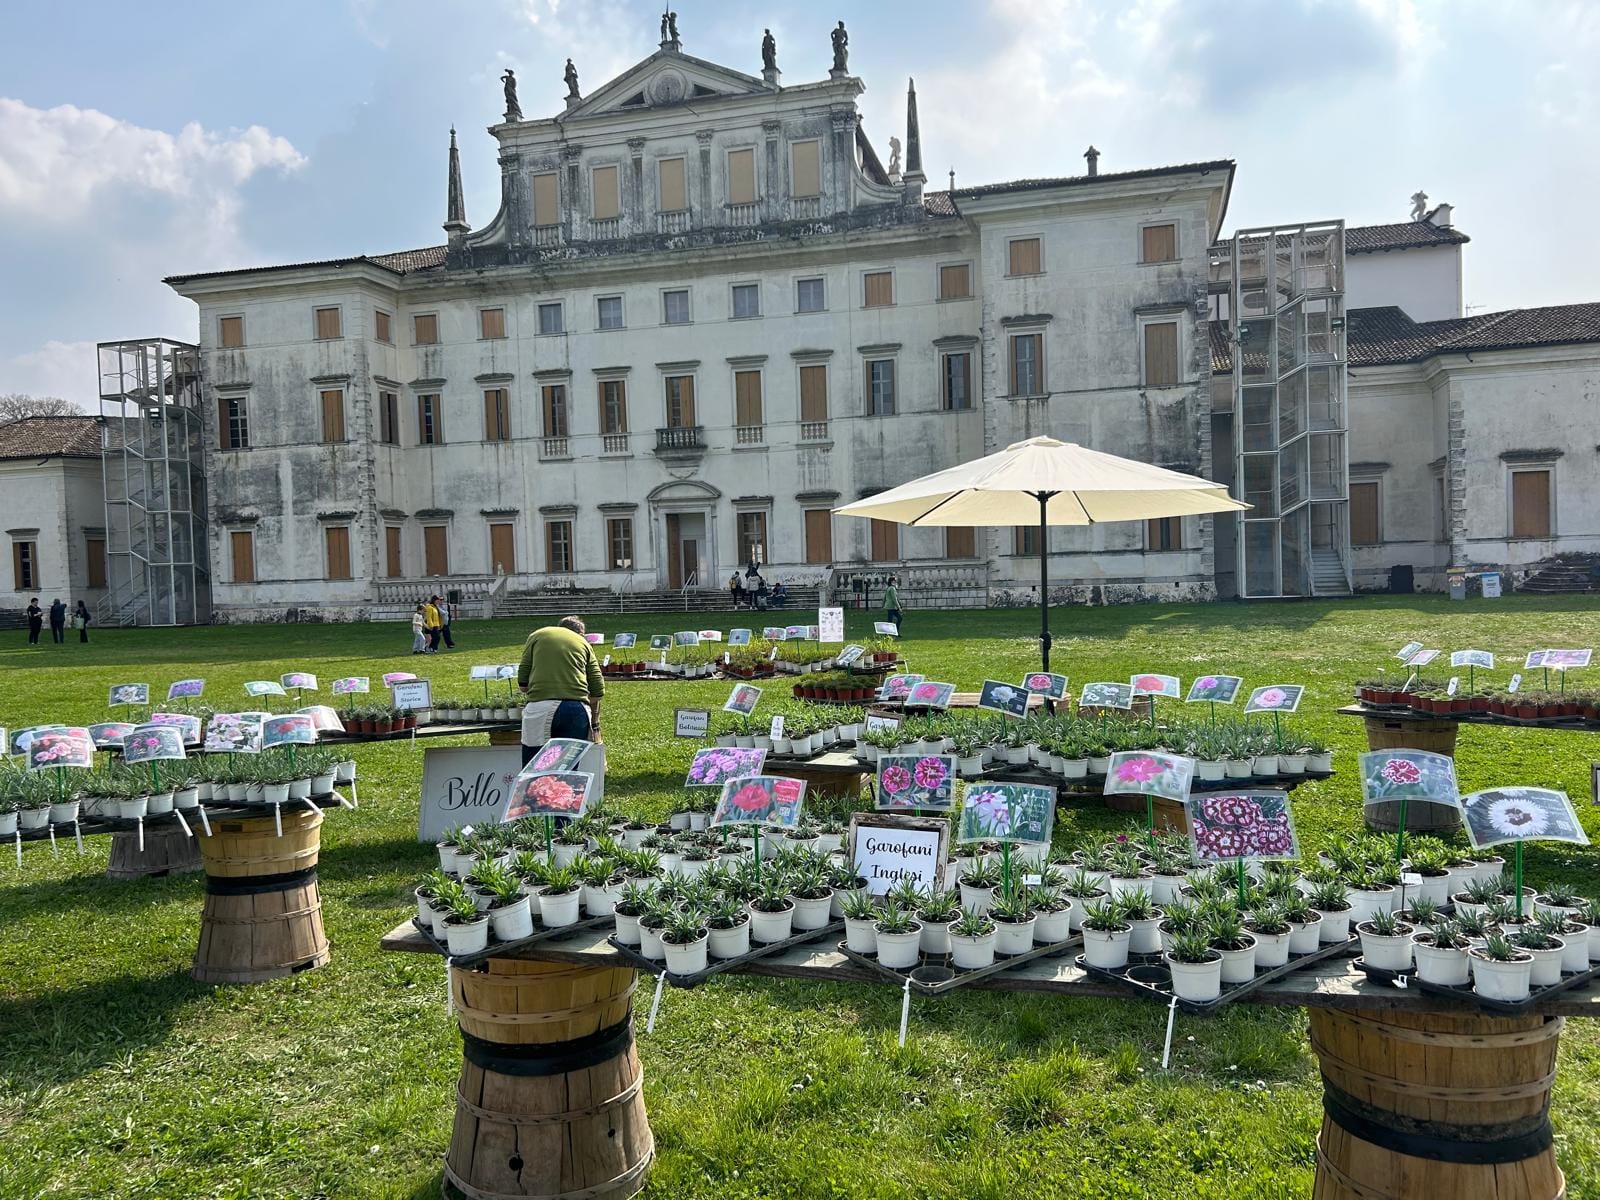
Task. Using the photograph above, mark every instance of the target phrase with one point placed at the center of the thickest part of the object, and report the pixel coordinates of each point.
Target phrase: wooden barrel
(1397, 733)
(166, 852)
(550, 1104)
(1435, 1106)
(263, 913)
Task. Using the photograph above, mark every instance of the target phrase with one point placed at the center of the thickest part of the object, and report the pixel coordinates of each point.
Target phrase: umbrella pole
(1044, 581)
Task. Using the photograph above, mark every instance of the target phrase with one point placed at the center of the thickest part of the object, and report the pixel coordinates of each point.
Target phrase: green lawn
(119, 1077)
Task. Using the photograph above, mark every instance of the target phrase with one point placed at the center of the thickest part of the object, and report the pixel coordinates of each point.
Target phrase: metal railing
(682, 437)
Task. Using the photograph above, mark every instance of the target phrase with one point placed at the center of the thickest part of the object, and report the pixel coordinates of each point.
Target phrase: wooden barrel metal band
(1527, 1090)
(561, 1118)
(609, 1188)
(258, 885)
(1486, 1041)
(1466, 1144)
(550, 1058)
(554, 1014)
(1326, 1166)
(255, 922)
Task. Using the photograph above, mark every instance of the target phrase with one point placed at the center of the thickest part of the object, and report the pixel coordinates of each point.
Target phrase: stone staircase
(596, 601)
(1327, 574)
(1569, 575)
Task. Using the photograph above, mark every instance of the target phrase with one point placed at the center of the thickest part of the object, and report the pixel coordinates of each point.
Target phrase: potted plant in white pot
(1429, 874)
(1372, 890)
(631, 904)
(1127, 873)
(1305, 925)
(434, 885)
(844, 881)
(772, 910)
(652, 922)
(978, 883)
(1386, 941)
(1055, 914)
(899, 935)
(1180, 917)
(1561, 898)
(466, 930)
(1237, 947)
(1196, 967)
(1144, 920)
(685, 937)
(1440, 952)
(1014, 921)
(510, 914)
(861, 914)
(1106, 935)
(1477, 896)
(1332, 903)
(972, 940)
(559, 897)
(601, 883)
(1500, 970)
(1082, 889)
(938, 911)
(813, 898)
(728, 927)
(1547, 950)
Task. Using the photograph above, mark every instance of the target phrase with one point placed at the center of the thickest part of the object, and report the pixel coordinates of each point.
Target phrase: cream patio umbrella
(1053, 483)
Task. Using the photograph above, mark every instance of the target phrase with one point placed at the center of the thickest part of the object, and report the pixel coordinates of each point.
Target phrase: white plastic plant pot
(1305, 937)
(9, 823)
(827, 843)
(1264, 764)
(1489, 869)
(1578, 938)
(1465, 907)
(811, 913)
(1052, 926)
(300, 789)
(1364, 902)
(935, 936)
(424, 910)
(1198, 983)
(650, 943)
(899, 951)
(481, 898)
(678, 821)
(730, 943)
(1106, 948)
(1292, 764)
(1448, 968)
(203, 789)
(971, 953)
(1389, 952)
(466, 937)
(322, 784)
(560, 909)
(688, 958)
(744, 741)
(1099, 764)
(64, 813)
(693, 868)
(1074, 768)
(161, 803)
(598, 901)
(628, 929)
(186, 798)
(1080, 907)
(768, 927)
(512, 922)
(1546, 963)
(1501, 980)
(345, 772)
(970, 766)
(129, 808)
(1209, 770)
(1334, 926)
(566, 854)
(1164, 888)
(781, 745)
(1122, 885)
(1146, 935)
(1321, 762)
(1239, 966)
(1237, 768)
(697, 821)
(1015, 937)
(850, 733)
(238, 793)
(980, 898)
(861, 934)
(1433, 888)
(836, 905)
(274, 793)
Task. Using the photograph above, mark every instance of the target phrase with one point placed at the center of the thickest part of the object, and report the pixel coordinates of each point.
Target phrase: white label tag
(726, 658)
(773, 656)
(777, 727)
(1516, 682)
(1033, 880)
(1455, 682)
(606, 661)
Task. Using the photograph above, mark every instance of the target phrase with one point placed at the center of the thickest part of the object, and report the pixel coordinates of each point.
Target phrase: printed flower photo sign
(715, 766)
(796, 632)
(351, 684)
(291, 730)
(266, 687)
(736, 637)
(1146, 773)
(1409, 775)
(302, 681)
(711, 635)
(549, 794)
(1011, 812)
(185, 689)
(1422, 658)
(908, 781)
(233, 733)
(389, 680)
(63, 748)
(556, 755)
(772, 633)
(898, 687)
(625, 641)
(185, 723)
(1472, 658)
(686, 637)
(660, 641)
(1535, 659)
(128, 693)
(1275, 698)
(483, 671)
(1047, 684)
(1566, 660)
(1004, 698)
(1214, 689)
(760, 800)
(1405, 652)
(21, 739)
(324, 718)
(849, 654)
(886, 628)
(930, 695)
(742, 699)
(1228, 827)
(109, 734)
(1106, 695)
(1520, 814)
(150, 743)
(1156, 685)
(595, 639)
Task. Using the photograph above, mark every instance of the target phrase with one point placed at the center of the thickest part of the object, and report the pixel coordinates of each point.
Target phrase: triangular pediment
(663, 80)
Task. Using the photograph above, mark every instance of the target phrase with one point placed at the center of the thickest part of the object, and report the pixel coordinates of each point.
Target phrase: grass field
(119, 1077)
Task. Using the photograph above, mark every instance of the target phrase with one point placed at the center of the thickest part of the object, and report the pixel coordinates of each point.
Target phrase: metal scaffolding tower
(152, 467)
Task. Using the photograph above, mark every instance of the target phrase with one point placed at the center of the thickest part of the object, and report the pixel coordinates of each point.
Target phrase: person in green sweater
(561, 682)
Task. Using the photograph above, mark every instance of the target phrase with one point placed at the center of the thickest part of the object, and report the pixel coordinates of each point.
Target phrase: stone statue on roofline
(841, 50)
(769, 52)
(513, 109)
(672, 29)
(894, 156)
(571, 76)
(1419, 205)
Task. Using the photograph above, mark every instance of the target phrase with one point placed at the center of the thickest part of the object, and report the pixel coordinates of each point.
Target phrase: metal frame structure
(152, 469)
(1285, 289)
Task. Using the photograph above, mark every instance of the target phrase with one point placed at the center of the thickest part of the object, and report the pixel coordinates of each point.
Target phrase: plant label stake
(19, 849)
(905, 1012)
(1172, 1019)
(277, 820)
(205, 821)
(549, 840)
(1516, 682)
(1150, 818)
(1400, 837)
(187, 832)
(655, 1005)
(53, 849)
(449, 991)
(1517, 869)
(141, 835)
(77, 833)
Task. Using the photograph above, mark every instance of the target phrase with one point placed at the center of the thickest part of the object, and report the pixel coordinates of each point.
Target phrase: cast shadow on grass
(45, 898)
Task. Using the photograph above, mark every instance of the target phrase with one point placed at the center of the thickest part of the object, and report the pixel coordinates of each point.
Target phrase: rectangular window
(242, 543)
(608, 312)
(613, 406)
(880, 387)
(1364, 527)
(25, 565)
(332, 415)
(1158, 243)
(747, 401)
(496, 415)
(1025, 540)
(746, 300)
(337, 540)
(1027, 364)
(741, 176)
(1164, 533)
(878, 289)
(430, 420)
(233, 426)
(94, 552)
(753, 537)
(546, 203)
(603, 193)
(960, 542)
(819, 535)
(675, 307)
(1023, 257)
(389, 418)
(328, 325)
(814, 393)
(382, 327)
(425, 329)
(809, 296)
(956, 380)
(807, 177)
(674, 191)
(554, 396)
(619, 539)
(558, 547)
(1530, 504)
(491, 323)
(550, 318)
(230, 332)
(680, 401)
(391, 552)
(435, 550)
(885, 541)
(1161, 354)
(955, 282)
(502, 548)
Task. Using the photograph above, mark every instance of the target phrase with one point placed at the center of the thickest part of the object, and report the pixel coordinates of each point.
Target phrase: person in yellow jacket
(431, 625)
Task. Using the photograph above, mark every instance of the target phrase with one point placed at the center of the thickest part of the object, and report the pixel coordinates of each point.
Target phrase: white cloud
(65, 369)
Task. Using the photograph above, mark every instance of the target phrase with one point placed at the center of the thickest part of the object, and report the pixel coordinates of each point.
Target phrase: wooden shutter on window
(380, 327)
(502, 548)
(879, 289)
(674, 193)
(492, 323)
(546, 205)
(1025, 258)
(95, 550)
(328, 323)
(819, 535)
(814, 393)
(604, 182)
(391, 549)
(680, 401)
(807, 169)
(244, 556)
(955, 282)
(741, 176)
(1161, 354)
(1163, 533)
(232, 332)
(435, 551)
(885, 541)
(425, 329)
(338, 540)
(224, 407)
(555, 410)
(1159, 243)
(19, 566)
(1530, 504)
(496, 415)
(960, 543)
(747, 397)
(1364, 514)
(333, 415)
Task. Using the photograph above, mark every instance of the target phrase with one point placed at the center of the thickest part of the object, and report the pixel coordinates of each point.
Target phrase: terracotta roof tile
(51, 437)
(1031, 185)
(938, 204)
(401, 262)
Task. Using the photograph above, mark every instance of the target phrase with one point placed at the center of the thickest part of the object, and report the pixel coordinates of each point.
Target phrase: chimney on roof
(455, 215)
(913, 178)
(1441, 216)
(1093, 156)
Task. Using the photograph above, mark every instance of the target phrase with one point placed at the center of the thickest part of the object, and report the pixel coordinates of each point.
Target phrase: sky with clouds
(139, 141)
